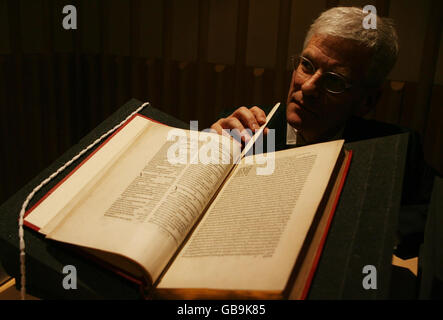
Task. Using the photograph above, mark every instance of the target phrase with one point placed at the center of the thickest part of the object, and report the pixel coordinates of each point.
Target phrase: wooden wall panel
(32, 114)
(331, 3)
(222, 31)
(61, 40)
(410, 94)
(389, 107)
(64, 82)
(240, 53)
(438, 79)
(154, 83)
(410, 19)
(151, 29)
(356, 3)
(5, 141)
(261, 45)
(122, 82)
(90, 65)
(5, 43)
(166, 88)
(434, 133)
(137, 89)
(428, 64)
(223, 97)
(280, 86)
(190, 58)
(184, 30)
(119, 28)
(13, 110)
(90, 22)
(14, 125)
(49, 107)
(197, 105)
(33, 26)
(207, 108)
(187, 78)
(170, 101)
(383, 7)
(44, 118)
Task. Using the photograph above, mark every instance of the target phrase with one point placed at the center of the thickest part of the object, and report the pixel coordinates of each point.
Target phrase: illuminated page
(55, 204)
(252, 233)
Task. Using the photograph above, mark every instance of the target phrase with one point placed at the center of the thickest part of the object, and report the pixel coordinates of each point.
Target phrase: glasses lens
(306, 65)
(334, 83)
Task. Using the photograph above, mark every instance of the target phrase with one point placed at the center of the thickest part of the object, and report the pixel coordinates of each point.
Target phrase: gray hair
(347, 22)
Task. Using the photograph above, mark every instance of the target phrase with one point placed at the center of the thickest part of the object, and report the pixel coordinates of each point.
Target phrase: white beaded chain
(44, 182)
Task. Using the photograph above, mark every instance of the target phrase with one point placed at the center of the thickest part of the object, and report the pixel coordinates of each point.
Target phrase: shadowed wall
(190, 58)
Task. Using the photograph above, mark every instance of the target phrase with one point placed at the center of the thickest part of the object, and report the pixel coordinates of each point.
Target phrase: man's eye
(306, 66)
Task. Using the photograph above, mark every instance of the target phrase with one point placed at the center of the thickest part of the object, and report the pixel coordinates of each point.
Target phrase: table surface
(362, 231)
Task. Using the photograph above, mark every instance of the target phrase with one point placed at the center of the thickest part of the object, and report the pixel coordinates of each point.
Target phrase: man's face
(318, 114)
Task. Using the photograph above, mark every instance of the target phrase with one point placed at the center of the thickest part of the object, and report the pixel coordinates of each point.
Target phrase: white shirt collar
(294, 138)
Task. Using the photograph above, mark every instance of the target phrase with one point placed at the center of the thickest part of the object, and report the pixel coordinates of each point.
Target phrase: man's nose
(311, 87)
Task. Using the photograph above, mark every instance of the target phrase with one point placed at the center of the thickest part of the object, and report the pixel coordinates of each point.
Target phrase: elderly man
(337, 79)
(338, 75)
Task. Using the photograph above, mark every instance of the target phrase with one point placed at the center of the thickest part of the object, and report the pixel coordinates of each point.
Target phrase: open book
(191, 222)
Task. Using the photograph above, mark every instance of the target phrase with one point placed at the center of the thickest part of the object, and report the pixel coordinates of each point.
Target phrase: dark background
(189, 58)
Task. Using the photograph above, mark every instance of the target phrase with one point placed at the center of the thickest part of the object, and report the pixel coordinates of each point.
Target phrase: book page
(59, 200)
(252, 233)
(144, 205)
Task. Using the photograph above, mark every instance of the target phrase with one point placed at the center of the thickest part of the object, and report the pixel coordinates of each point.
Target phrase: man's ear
(368, 102)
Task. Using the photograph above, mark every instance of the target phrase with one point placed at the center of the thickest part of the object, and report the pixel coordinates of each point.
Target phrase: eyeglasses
(329, 81)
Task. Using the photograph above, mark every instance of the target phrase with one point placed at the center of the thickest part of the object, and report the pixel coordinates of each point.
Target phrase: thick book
(185, 216)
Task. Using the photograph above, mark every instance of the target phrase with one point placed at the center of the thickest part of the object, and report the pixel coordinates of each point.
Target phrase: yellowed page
(252, 233)
(143, 206)
(66, 195)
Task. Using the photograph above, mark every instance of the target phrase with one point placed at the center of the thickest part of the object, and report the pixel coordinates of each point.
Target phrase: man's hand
(241, 119)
